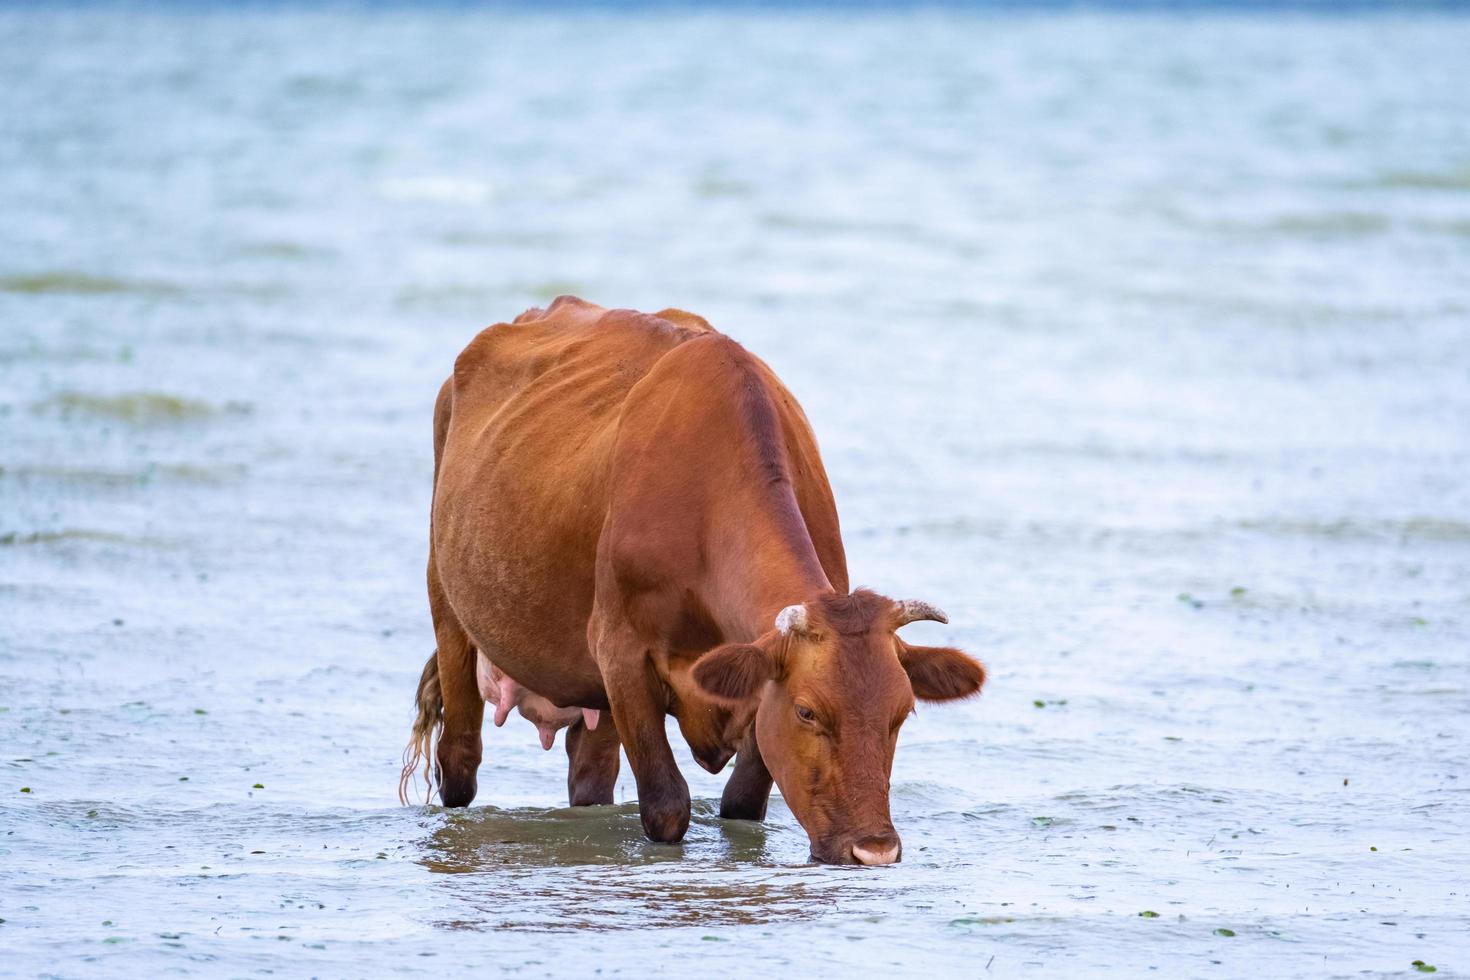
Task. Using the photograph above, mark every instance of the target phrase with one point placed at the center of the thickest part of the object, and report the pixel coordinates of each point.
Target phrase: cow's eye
(807, 715)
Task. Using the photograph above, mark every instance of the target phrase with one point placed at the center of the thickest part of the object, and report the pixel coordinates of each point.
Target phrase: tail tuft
(427, 725)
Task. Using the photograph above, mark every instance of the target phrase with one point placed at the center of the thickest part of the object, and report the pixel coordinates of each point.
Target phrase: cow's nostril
(877, 850)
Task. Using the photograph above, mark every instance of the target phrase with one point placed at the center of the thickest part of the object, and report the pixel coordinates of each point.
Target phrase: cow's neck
(767, 558)
(780, 568)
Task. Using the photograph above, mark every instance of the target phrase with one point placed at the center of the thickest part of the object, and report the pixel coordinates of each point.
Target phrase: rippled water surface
(1141, 344)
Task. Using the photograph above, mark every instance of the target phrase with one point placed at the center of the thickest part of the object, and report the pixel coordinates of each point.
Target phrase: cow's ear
(941, 673)
(734, 672)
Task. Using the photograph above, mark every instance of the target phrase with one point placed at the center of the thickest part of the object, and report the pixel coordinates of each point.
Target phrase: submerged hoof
(665, 822)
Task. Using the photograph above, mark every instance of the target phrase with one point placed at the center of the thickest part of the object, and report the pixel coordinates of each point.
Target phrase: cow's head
(833, 683)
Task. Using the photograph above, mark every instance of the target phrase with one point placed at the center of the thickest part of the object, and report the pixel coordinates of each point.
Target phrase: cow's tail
(427, 723)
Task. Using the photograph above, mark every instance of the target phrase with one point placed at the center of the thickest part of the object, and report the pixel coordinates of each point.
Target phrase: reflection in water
(472, 841)
(592, 868)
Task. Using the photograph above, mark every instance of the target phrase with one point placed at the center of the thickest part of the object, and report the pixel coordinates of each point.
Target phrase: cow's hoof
(458, 765)
(743, 809)
(457, 794)
(591, 795)
(665, 822)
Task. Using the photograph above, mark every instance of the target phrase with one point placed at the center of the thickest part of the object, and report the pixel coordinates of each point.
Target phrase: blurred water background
(1140, 342)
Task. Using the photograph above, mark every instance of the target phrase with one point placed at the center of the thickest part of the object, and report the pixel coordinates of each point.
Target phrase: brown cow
(619, 495)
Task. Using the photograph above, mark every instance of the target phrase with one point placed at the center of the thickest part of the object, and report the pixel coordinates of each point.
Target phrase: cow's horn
(792, 619)
(913, 610)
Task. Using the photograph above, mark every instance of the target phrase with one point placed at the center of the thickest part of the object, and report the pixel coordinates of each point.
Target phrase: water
(1139, 343)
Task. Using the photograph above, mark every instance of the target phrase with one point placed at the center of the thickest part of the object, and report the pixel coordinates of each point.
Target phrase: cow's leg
(749, 787)
(464, 710)
(592, 763)
(638, 708)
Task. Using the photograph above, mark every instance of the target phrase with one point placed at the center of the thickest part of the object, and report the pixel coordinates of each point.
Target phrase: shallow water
(1141, 344)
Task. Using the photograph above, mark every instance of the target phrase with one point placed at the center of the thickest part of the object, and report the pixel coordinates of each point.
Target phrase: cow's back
(521, 491)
